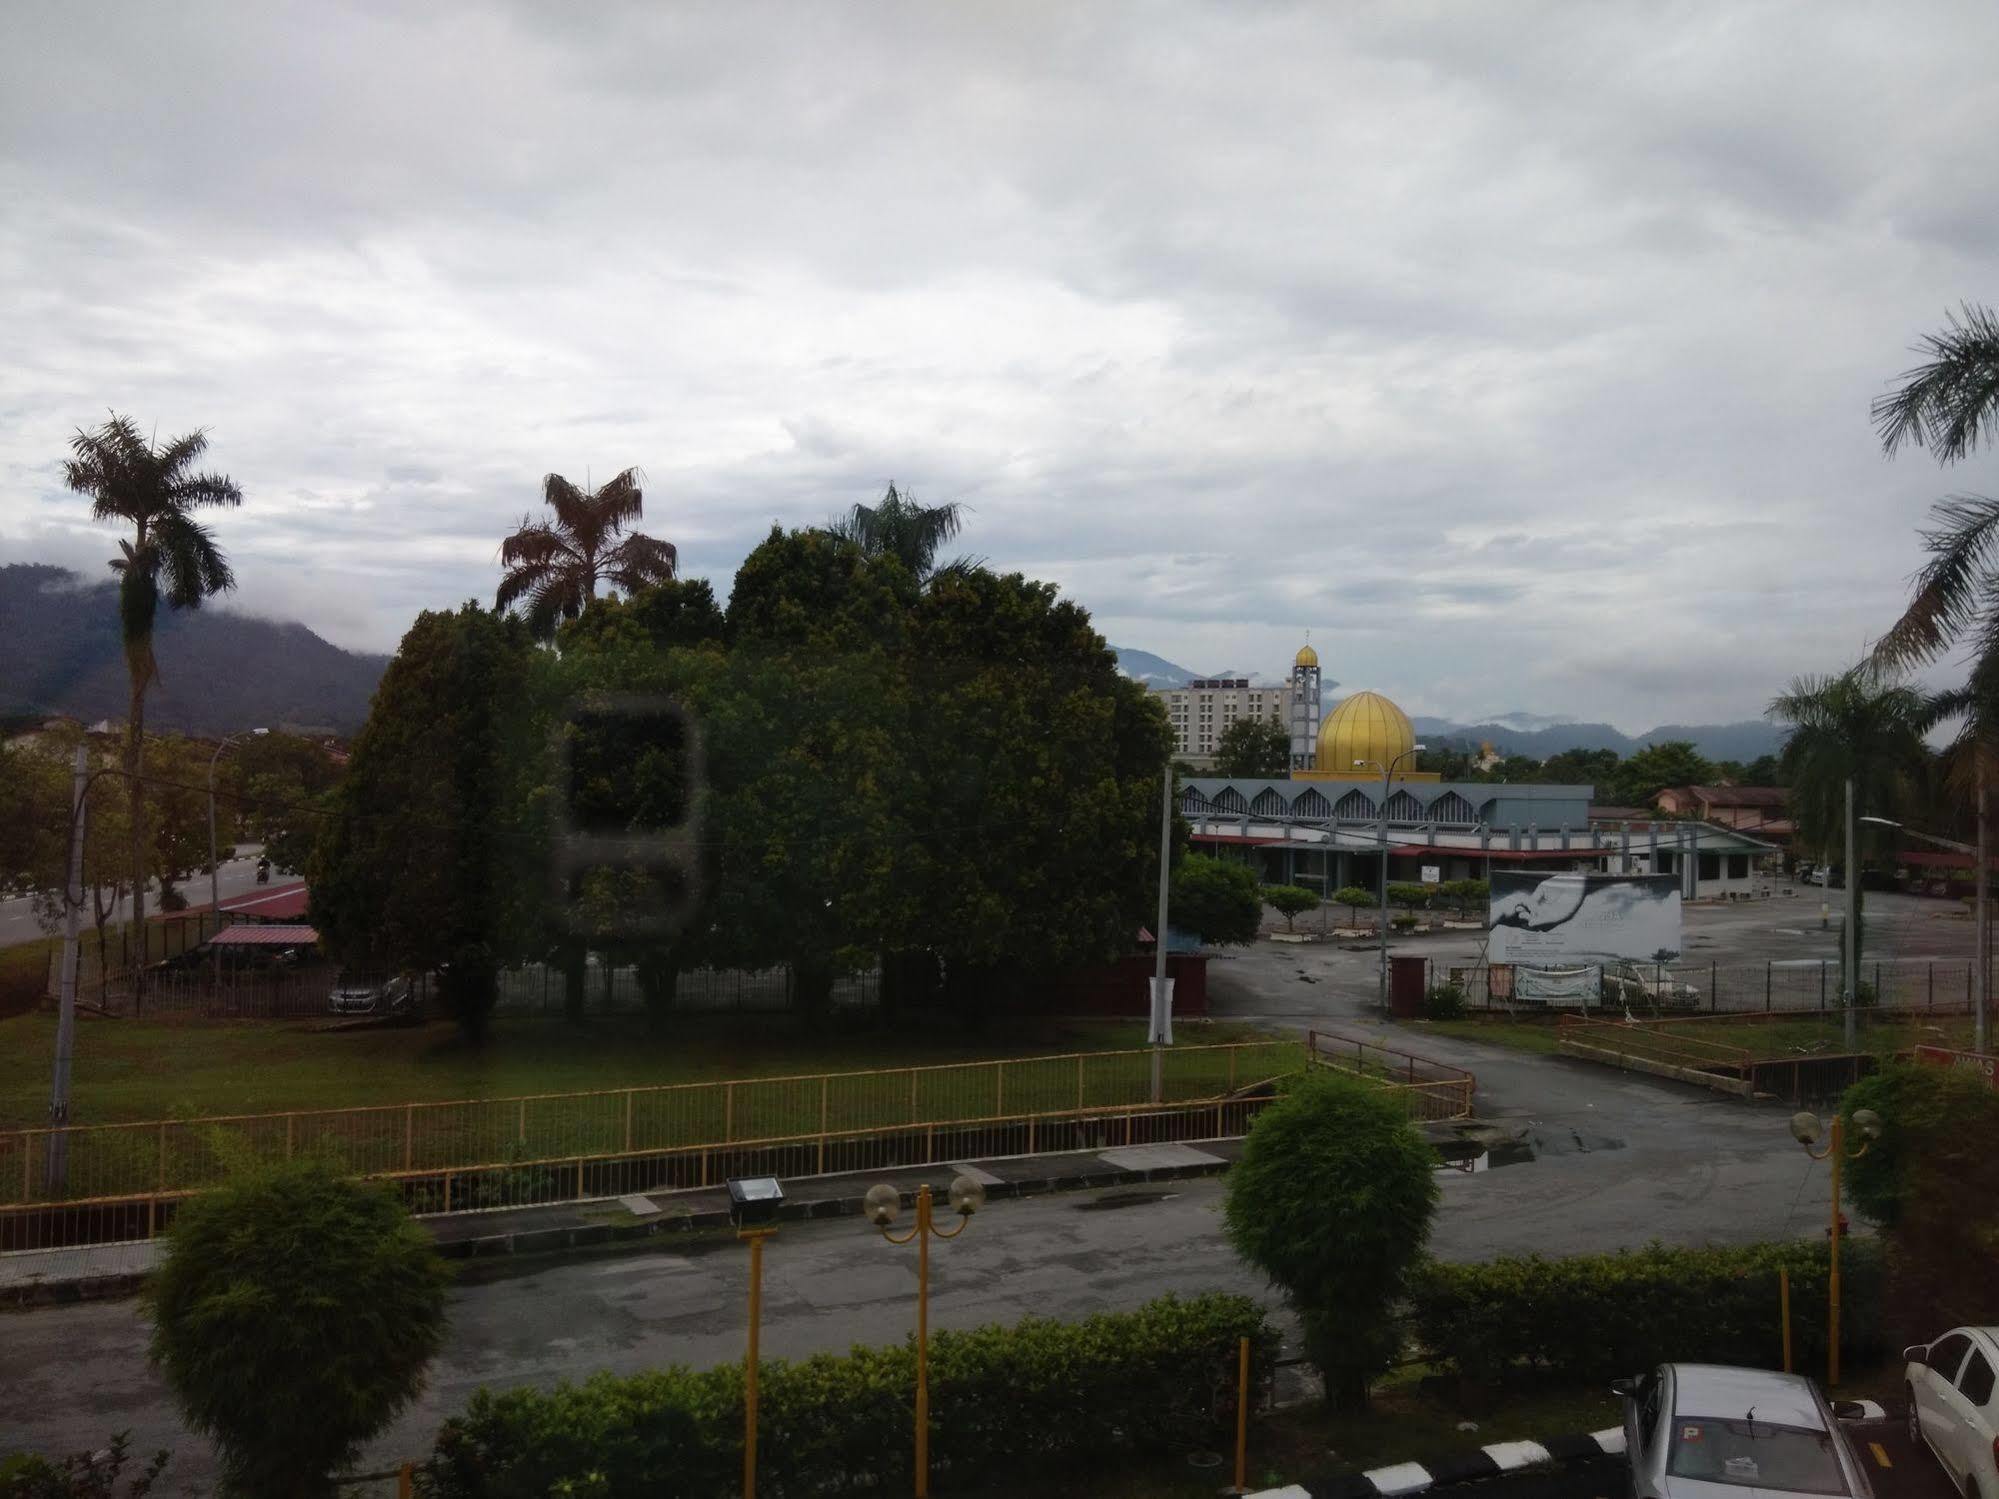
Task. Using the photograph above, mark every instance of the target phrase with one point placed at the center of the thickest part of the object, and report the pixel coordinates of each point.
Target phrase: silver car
(368, 996)
(1706, 1431)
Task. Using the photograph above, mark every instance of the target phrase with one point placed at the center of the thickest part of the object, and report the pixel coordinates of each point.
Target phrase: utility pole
(1162, 1000)
(1850, 978)
(72, 914)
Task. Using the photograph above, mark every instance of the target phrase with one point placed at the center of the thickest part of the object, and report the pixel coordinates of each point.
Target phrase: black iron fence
(1938, 986)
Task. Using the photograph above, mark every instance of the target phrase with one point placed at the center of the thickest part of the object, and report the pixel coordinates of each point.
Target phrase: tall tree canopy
(1950, 402)
(433, 856)
(553, 567)
(1253, 747)
(155, 491)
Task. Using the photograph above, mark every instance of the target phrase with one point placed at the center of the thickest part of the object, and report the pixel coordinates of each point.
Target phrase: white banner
(1555, 920)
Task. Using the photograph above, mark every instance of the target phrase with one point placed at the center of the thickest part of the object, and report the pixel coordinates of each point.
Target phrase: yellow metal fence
(1428, 1089)
(121, 1179)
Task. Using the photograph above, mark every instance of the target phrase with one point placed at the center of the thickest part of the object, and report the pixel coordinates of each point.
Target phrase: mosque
(1354, 798)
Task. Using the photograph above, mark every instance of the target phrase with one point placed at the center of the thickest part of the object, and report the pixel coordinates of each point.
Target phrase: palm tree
(1857, 733)
(901, 528)
(556, 565)
(153, 490)
(1950, 402)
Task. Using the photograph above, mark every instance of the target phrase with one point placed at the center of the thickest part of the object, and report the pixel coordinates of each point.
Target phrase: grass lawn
(141, 1069)
(1784, 1039)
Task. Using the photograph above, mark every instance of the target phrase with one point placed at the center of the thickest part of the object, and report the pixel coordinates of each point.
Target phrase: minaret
(1305, 707)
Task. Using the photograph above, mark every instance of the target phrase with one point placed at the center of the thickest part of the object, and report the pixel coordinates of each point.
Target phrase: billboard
(1549, 920)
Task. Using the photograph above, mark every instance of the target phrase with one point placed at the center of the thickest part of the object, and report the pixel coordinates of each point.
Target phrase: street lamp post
(754, 1202)
(1981, 917)
(1381, 896)
(1805, 1130)
(882, 1204)
(214, 866)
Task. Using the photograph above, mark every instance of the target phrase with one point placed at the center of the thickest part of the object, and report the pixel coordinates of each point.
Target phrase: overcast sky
(1522, 353)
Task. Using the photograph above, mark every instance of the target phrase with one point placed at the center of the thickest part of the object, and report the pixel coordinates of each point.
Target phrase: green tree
(1355, 898)
(554, 567)
(1029, 741)
(807, 733)
(1932, 1182)
(1215, 898)
(277, 784)
(901, 528)
(1654, 767)
(1333, 1199)
(1862, 727)
(433, 855)
(1409, 895)
(1290, 902)
(1595, 767)
(293, 1316)
(155, 491)
(179, 817)
(1258, 747)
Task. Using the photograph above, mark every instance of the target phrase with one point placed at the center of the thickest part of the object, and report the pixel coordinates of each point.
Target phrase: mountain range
(1537, 735)
(219, 671)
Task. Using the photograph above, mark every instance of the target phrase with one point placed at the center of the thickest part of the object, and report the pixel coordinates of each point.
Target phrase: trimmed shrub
(1592, 1317)
(1356, 899)
(1445, 1001)
(1041, 1395)
(293, 1316)
(1289, 901)
(1218, 899)
(1332, 1199)
(1403, 922)
(1409, 897)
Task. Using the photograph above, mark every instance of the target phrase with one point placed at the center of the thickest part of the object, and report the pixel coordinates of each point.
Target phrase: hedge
(1003, 1400)
(1599, 1316)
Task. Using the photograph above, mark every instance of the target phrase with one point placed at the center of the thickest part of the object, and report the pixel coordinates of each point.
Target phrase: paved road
(17, 916)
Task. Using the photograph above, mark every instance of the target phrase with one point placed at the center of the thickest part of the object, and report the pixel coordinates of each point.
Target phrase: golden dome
(1306, 657)
(1369, 728)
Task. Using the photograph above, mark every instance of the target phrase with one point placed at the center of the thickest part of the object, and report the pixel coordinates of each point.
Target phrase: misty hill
(1742, 741)
(219, 671)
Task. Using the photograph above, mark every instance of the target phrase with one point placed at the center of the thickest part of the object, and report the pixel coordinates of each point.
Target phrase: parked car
(369, 996)
(1694, 1431)
(1953, 1405)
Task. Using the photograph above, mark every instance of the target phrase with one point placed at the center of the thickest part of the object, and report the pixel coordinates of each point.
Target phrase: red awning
(251, 935)
(285, 902)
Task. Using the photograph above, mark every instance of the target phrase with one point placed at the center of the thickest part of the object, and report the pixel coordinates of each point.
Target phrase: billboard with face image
(1542, 920)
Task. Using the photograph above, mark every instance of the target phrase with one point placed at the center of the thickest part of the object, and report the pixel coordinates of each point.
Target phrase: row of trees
(862, 761)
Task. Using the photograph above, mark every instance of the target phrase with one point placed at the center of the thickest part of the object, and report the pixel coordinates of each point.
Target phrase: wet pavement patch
(1123, 1200)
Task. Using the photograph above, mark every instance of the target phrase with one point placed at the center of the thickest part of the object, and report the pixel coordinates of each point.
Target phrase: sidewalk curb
(794, 1210)
(541, 1241)
(1401, 1479)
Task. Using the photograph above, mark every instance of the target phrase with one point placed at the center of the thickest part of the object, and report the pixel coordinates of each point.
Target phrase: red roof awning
(285, 902)
(252, 935)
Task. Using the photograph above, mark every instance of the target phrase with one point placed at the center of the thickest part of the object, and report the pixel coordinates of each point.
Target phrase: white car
(1954, 1407)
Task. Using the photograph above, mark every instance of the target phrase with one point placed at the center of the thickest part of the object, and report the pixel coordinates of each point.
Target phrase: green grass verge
(139, 1069)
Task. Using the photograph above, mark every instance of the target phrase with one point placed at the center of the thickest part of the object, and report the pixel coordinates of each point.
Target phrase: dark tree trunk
(575, 975)
(659, 979)
(812, 993)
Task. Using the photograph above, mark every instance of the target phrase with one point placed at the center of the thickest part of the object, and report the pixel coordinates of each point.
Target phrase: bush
(1933, 1118)
(1289, 901)
(1593, 1317)
(86, 1475)
(293, 1316)
(1041, 1395)
(1464, 894)
(1216, 898)
(1403, 922)
(1410, 897)
(1444, 1001)
(1332, 1199)
(1355, 899)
